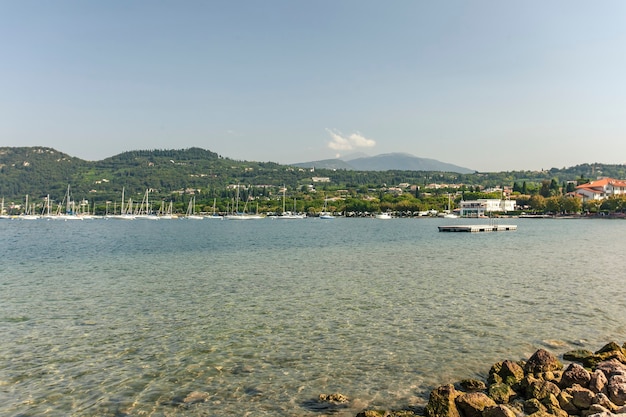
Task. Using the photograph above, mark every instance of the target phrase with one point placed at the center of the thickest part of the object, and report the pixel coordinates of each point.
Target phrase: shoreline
(592, 385)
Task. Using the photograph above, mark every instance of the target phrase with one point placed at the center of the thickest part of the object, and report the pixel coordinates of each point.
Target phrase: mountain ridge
(386, 162)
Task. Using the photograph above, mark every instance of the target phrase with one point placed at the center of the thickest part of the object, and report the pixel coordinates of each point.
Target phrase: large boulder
(566, 402)
(582, 398)
(578, 355)
(508, 372)
(501, 392)
(472, 404)
(575, 374)
(611, 351)
(541, 389)
(611, 347)
(542, 361)
(598, 382)
(441, 402)
(533, 405)
(604, 401)
(616, 388)
(610, 367)
(591, 359)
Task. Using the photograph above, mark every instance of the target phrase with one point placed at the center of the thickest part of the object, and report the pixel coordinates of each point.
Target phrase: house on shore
(601, 189)
(485, 206)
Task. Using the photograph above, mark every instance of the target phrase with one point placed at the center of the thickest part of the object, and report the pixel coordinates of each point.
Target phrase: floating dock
(478, 228)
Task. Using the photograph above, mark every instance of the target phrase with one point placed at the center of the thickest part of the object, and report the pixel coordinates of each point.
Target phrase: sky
(489, 85)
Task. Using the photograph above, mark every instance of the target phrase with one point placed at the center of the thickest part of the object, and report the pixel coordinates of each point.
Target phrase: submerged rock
(195, 397)
(327, 403)
(336, 398)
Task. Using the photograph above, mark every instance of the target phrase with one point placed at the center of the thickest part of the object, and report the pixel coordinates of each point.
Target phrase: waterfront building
(601, 189)
(485, 206)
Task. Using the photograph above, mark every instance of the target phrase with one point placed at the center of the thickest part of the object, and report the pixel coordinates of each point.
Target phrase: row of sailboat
(129, 210)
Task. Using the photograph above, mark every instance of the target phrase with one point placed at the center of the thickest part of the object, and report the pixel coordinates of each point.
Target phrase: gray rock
(582, 398)
(575, 374)
(542, 361)
(616, 388)
(441, 402)
(533, 406)
(604, 401)
(611, 366)
(472, 404)
(566, 402)
(541, 389)
(501, 392)
(598, 382)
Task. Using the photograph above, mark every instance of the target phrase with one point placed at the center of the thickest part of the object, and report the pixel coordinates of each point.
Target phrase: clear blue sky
(489, 85)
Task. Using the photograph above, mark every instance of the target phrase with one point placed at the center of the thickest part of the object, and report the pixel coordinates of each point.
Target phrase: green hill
(175, 175)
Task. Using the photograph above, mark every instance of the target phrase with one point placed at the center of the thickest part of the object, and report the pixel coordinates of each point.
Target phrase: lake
(114, 318)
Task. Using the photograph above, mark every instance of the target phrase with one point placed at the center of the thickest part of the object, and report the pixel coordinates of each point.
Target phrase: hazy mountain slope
(325, 164)
(405, 162)
(387, 162)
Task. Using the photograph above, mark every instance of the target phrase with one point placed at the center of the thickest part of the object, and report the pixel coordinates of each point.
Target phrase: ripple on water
(196, 318)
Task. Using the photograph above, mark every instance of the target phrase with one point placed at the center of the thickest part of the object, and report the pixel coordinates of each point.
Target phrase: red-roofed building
(601, 189)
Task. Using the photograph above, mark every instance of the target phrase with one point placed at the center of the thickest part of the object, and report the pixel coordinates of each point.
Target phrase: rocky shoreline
(592, 385)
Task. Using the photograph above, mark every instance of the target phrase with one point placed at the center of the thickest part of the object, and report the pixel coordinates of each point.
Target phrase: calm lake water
(115, 318)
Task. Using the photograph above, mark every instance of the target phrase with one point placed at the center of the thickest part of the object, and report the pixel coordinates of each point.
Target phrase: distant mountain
(354, 155)
(326, 164)
(387, 162)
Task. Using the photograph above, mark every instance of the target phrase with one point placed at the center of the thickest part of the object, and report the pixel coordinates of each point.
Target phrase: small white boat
(383, 216)
(191, 210)
(324, 214)
(289, 214)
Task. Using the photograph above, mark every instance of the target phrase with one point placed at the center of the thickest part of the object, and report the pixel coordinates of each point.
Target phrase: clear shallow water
(113, 318)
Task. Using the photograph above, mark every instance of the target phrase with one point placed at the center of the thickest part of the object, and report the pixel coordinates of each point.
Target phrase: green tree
(613, 204)
(571, 204)
(545, 189)
(554, 188)
(554, 205)
(592, 206)
(537, 203)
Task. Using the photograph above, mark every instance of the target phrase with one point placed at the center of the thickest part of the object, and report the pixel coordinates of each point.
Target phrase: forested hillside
(174, 175)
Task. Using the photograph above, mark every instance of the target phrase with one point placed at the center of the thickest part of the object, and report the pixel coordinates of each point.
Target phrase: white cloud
(339, 142)
(361, 141)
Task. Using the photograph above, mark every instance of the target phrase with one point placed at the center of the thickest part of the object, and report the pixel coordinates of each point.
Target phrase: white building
(601, 189)
(482, 207)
